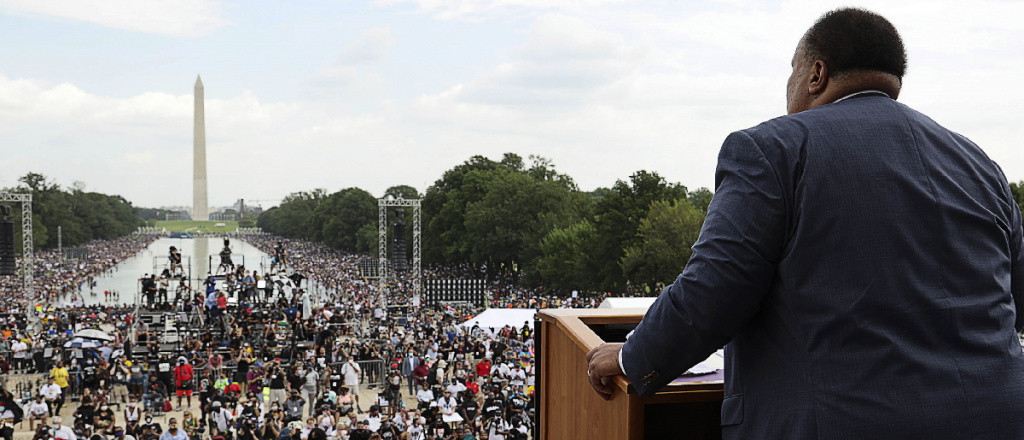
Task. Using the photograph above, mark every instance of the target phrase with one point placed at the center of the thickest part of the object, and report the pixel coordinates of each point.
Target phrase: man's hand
(602, 364)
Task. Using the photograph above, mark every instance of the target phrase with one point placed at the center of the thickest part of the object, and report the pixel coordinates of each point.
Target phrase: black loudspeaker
(7, 264)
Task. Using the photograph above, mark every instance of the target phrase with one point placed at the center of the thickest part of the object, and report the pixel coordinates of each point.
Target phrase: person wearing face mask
(132, 414)
(105, 419)
(61, 432)
(387, 431)
(293, 406)
(173, 433)
(409, 365)
(191, 425)
(150, 430)
(221, 418)
(310, 425)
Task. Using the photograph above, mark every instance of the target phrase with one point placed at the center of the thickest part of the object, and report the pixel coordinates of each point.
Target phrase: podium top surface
(596, 316)
(575, 323)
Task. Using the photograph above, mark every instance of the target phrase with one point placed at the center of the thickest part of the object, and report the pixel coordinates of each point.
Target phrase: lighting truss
(28, 265)
(382, 236)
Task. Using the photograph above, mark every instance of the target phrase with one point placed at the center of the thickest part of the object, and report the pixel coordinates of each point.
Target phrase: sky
(340, 93)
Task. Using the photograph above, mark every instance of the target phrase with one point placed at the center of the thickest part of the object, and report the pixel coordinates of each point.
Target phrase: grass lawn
(187, 226)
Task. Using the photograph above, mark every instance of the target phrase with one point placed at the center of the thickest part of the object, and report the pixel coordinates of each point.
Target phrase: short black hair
(851, 39)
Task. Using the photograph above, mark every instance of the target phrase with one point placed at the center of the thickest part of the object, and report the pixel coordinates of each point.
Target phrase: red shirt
(471, 385)
(483, 369)
(222, 302)
(183, 372)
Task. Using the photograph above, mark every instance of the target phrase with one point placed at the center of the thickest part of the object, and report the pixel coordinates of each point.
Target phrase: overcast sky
(333, 94)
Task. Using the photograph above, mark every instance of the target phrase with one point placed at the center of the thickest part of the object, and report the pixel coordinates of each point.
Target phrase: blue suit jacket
(864, 266)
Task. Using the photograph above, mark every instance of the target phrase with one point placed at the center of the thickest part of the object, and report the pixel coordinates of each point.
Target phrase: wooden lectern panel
(579, 413)
(570, 409)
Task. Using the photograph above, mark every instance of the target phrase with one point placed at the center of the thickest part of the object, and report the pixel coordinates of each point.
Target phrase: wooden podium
(568, 407)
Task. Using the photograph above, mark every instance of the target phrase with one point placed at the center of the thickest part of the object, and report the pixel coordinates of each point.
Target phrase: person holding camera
(272, 425)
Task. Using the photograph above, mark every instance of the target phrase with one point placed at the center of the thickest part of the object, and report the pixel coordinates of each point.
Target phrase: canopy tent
(493, 320)
(82, 343)
(627, 303)
(93, 334)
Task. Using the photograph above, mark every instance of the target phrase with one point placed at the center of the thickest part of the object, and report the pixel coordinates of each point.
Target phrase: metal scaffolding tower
(28, 265)
(382, 236)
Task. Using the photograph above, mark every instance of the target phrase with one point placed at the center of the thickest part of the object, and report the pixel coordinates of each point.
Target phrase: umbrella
(81, 343)
(93, 334)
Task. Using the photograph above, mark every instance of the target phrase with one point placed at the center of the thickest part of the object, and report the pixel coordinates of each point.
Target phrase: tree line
(81, 215)
(523, 218)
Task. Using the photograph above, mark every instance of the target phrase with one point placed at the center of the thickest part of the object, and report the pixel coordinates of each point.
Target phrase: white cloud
(348, 74)
(180, 18)
(475, 10)
(565, 60)
(603, 91)
(374, 45)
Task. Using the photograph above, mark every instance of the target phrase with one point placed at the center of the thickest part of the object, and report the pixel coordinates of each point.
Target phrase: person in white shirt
(61, 432)
(51, 392)
(531, 375)
(456, 387)
(373, 419)
(20, 349)
(425, 396)
(497, 428)
(37, 411)
(382, 402)
(351, 372)
(447, 405)
(517, 376)
(416, 430)
(221, 417)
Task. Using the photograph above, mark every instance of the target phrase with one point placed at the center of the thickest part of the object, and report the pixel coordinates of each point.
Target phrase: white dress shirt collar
(862, 92)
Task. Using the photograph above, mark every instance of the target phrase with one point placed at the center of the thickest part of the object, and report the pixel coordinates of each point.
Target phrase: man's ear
(819, 78)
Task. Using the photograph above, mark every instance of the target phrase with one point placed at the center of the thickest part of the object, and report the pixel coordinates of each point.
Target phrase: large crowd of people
(298, 349)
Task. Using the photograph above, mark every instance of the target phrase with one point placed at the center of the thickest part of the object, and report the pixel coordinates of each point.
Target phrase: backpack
(432, 377)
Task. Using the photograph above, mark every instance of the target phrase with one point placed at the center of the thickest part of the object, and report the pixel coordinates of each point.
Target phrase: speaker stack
(7, 263)
(439, 291)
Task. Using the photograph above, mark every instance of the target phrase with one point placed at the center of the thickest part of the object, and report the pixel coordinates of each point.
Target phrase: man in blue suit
(861, 264)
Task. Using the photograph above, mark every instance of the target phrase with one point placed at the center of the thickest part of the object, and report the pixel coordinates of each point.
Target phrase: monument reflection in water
(125, 279)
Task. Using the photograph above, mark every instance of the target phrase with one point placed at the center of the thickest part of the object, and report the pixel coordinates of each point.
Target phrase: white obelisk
(200, 209)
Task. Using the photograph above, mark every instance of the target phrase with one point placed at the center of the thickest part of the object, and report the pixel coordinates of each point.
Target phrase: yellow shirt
(60, 377)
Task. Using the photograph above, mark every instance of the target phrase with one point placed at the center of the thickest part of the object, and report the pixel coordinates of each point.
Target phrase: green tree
(515, 213)
(293, 218)
(667, 233)
(81, 216)
(701, 199)
(1017, 191)
(565, 258)
(617, 220)
(337, 220)
(445, 238)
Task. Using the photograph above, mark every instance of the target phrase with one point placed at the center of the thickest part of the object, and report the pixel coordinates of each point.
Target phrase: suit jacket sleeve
(728, 274)
(1016, 258)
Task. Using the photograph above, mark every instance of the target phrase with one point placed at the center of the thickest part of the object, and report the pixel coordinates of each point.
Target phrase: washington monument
(200, 209)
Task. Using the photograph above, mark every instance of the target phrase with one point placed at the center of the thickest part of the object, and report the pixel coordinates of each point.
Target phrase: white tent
(627, 303)
(499, 318)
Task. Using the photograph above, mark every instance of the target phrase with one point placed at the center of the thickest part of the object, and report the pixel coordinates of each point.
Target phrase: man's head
(846, 51)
